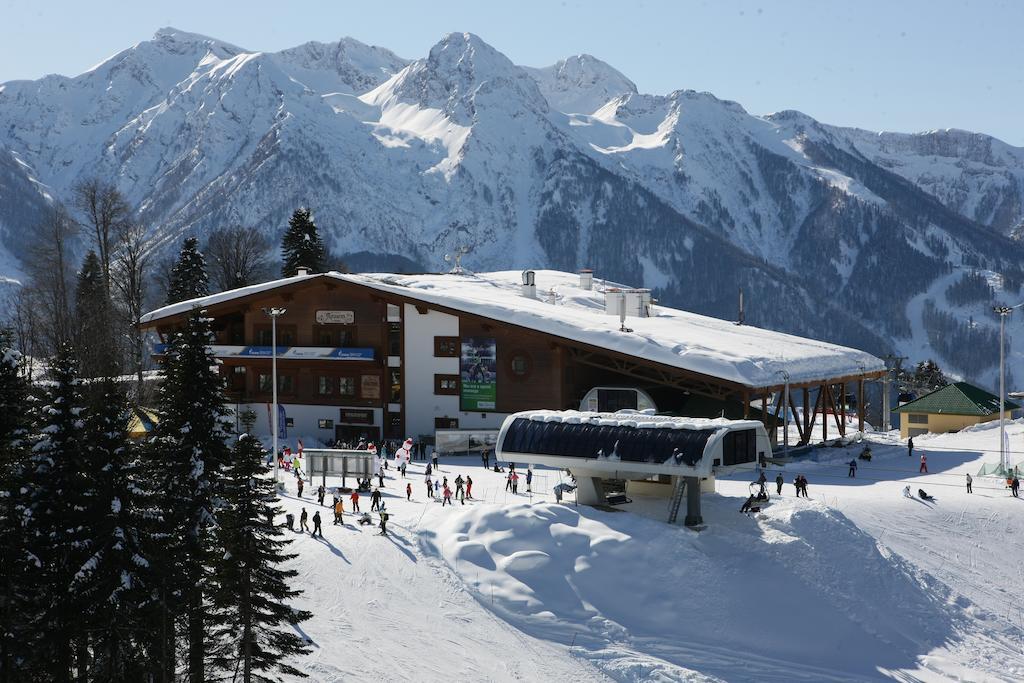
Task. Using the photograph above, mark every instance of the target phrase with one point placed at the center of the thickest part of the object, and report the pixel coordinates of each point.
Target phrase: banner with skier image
(478, 370)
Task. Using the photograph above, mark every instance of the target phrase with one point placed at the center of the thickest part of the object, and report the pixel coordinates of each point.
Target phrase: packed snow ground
(855, 583)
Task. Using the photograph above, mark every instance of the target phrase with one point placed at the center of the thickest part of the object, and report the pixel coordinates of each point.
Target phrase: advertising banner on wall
(478, 368)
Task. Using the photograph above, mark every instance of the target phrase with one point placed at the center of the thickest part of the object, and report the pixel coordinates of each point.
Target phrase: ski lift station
(636, 446)
(390, 356)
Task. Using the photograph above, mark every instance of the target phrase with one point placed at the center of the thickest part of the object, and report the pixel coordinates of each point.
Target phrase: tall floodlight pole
(274, 313)
(1003, 311)
(785, 414)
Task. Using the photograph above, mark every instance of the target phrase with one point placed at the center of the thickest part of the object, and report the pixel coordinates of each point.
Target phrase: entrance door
(351, 434)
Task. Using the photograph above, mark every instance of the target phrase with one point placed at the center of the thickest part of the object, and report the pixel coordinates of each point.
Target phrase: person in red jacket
(355, 501)
(469, 487)
(924, 464)
(408, 491)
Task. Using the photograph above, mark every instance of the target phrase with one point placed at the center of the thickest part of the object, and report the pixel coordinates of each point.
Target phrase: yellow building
(950, 409)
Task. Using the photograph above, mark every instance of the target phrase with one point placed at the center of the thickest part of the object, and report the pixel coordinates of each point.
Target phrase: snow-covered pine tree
(14, 568)
(301, 245)
(95, 342)
(58, 541)
(185, 462)
(188, 278)
(113, 581)
(250, 587)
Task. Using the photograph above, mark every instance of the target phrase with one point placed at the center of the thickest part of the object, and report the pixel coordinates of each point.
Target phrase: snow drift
(769, 591)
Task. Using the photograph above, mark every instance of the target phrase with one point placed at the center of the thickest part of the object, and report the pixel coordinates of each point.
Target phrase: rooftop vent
(302, 270)
(529, 284)
(586, 279)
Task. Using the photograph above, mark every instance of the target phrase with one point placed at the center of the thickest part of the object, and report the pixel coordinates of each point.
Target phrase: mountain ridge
(686, 193)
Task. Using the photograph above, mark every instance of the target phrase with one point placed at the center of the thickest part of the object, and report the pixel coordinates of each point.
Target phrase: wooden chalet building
(393, 355)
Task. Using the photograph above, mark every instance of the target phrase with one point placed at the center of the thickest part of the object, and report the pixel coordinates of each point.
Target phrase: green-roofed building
(950, 409)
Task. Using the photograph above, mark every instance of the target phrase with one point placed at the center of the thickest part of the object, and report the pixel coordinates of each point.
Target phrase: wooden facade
(535, 370)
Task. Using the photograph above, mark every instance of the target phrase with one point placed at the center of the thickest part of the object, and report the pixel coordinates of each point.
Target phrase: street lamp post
(274, 313)
(1003, 311)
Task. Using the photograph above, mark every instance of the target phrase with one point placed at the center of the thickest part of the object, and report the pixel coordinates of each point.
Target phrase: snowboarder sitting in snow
(748, 506)
(865, 454)
(906, 492)
(925, 496)
(365, 519)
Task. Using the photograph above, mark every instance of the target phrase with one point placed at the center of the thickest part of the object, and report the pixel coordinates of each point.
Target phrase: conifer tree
(59, 543)
(113, 580)
(251, 593)
(301, 245)
(185, 462)
(188, 279)
(14, 569)
(95, 339)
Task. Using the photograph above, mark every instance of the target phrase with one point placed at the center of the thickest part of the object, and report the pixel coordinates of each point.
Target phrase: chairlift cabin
(628, 444)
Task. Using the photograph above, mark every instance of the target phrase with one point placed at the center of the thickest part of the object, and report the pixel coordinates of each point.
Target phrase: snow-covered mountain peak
(177, 41)
(581, 84)
(347, 65)
(459, 70)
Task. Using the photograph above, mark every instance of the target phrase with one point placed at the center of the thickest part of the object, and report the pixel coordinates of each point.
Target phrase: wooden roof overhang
(581, 352)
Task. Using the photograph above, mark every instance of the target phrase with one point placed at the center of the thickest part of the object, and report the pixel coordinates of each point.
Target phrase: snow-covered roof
(743, 354)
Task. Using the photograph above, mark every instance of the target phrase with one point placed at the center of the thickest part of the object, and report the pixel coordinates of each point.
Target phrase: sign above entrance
(335, 317)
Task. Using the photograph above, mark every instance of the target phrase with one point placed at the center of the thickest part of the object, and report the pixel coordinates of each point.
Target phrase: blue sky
(897, 65)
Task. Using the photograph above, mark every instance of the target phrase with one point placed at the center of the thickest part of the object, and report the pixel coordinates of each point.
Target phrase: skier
(375, 500)
(447, 497)
(796, 485)
(428, 470)
(969, 482)
(380, 478)
(339, 511)
(529, 480)
(469, 487)
(853, 469)
(437, 487)
(408, 491)
(434, 459)
(910, 447)
(430, 488)
(300, 485)
(290, 519)
(486, 458)
(401, 468)
(384, 523)
(316, 525)
(1015, 487)
(320, 493)
(778, 484)
(459, 482)
(355, 501)
(515, 482)
(924, 464)
(302, 521)
(508, 481)
(748, 504)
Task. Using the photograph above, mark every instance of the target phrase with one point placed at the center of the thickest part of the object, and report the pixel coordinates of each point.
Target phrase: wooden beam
(798, 421)
(860, 405)
(746, 405)
(775, 417)
(823, 395)
(841, 418)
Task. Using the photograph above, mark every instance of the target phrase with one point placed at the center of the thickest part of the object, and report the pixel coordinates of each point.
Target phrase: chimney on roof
(586, 279)
(529, 284)
(302, 270)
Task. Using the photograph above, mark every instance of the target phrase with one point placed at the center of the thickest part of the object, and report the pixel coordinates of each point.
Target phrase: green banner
(478, 370)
